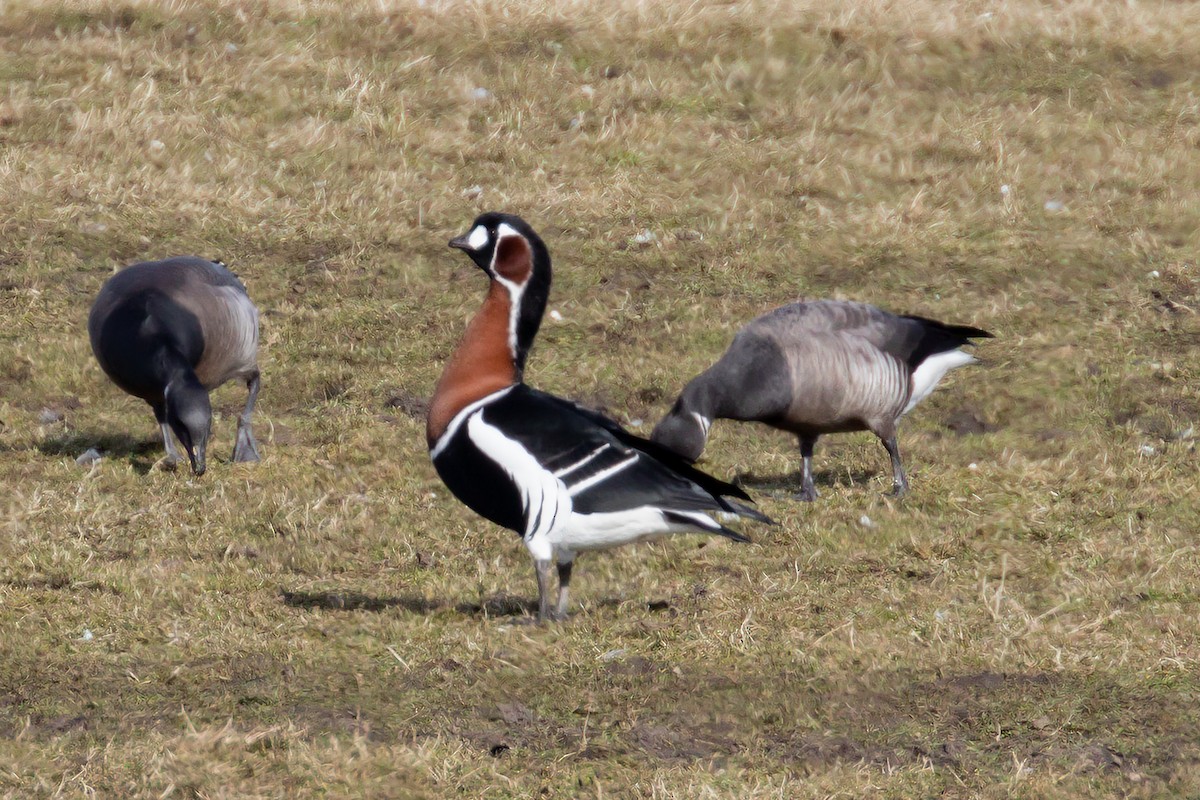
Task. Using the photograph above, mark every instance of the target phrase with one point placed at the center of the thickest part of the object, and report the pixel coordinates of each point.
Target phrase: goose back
(188, 306)
(828, 366)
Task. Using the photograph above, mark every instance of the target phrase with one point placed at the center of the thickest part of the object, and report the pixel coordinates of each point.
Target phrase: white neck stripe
(515, 290)
(461, 417)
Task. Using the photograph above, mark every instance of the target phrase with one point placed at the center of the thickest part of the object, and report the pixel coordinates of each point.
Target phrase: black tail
(941, 338)
(720, 530)
(743, 510)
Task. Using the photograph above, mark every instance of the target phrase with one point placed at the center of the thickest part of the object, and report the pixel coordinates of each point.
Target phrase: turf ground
(330, 622)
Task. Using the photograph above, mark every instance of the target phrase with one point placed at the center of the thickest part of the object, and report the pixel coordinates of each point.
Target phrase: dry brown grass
(330, 622)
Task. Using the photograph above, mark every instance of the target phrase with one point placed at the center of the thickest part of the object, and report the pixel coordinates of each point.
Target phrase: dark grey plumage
(818, 367)
(170, 332)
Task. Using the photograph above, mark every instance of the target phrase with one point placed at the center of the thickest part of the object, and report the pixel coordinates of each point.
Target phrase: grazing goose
(817, 367)
(170, 332)
(567, 479)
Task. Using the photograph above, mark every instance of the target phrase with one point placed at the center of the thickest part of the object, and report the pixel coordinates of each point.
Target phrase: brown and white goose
(170, 332)
(818, 367)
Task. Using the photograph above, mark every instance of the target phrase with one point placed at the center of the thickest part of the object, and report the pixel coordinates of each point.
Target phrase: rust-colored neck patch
(514, 259)
(482, 364)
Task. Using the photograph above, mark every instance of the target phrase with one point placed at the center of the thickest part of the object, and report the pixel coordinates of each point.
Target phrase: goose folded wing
(599, 471)
(664, 455)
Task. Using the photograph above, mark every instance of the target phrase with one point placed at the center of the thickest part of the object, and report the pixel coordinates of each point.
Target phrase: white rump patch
(932, 370)
(616, 528)
(478, 238)
(245, 323)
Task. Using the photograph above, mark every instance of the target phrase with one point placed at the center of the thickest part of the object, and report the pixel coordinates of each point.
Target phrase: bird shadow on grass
(789, 483)
(109, 445)
(497, 606)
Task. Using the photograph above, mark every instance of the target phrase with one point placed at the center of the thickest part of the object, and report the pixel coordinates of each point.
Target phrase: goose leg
(542, 565)
(246, 448)
(566, 561)
(808, 491)
(899, 481)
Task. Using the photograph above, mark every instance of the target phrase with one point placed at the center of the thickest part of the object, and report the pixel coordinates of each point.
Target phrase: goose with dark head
(819, 367)
(169, 332)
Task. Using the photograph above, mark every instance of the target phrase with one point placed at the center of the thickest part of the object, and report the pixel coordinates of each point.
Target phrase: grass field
(330, 622)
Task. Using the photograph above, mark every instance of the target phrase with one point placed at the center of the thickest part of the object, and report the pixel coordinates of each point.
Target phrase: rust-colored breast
(482, 364)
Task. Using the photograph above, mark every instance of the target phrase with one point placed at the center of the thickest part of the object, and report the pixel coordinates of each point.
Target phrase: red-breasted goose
(817, 367)
(170, 332)
(567, 479)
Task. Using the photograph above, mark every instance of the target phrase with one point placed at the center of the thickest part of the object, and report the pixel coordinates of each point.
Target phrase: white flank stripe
(932, 370)
(458, 419)
(585, 460)
(603, 474)
(546, 502)
(705, 423)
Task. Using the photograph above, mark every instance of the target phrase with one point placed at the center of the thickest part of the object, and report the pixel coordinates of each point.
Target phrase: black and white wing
(567, 461)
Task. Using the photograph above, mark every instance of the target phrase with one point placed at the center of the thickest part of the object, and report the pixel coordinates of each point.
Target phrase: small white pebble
(87, 635)
(473, 192)
(985, 16)
(1153, 273)
(554, 315)
(231, 48)
(612, 655)
(89, 457)
(972, 466)
(1147, 450)
(865, 521)
(432, 496)
(1055, 205)
(635, 423)
(1005, 190)
(156, 146)
(645, 237)
(588, 92)
(481, 94)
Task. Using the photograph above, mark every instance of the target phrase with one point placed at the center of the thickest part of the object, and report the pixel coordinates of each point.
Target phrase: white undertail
(932, 370)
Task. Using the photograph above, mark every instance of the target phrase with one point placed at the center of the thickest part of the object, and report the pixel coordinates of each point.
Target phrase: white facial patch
(478, 238)
(506, 230)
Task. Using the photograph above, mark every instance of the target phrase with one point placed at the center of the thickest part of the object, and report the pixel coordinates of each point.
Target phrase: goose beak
(460, 242)
(199, 462)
